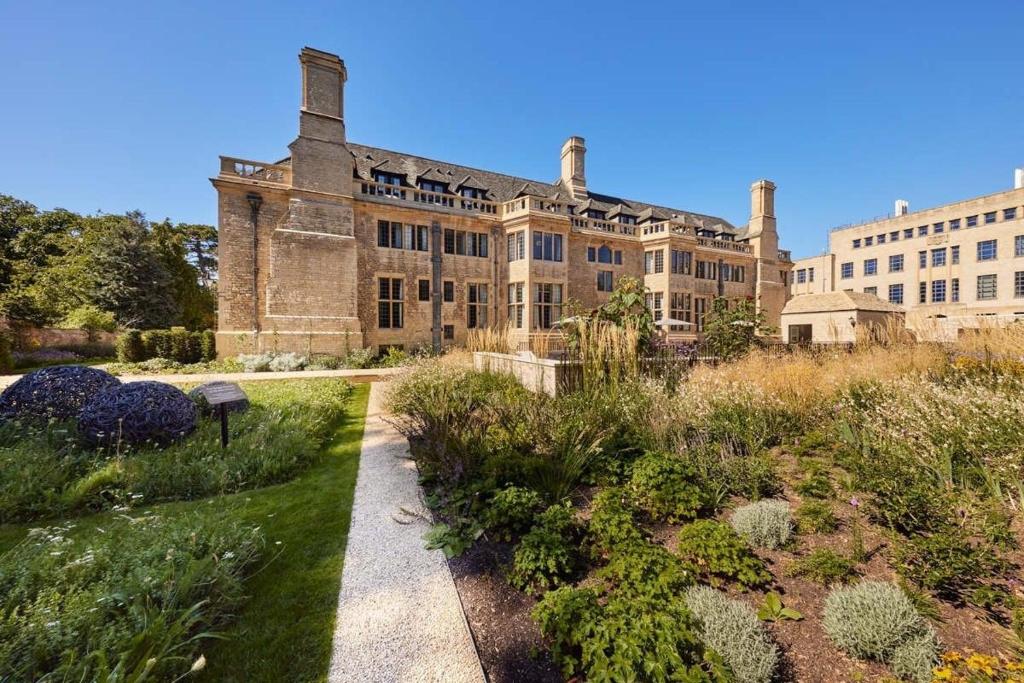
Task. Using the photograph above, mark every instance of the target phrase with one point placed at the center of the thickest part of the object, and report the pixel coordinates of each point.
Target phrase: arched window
(604, 254)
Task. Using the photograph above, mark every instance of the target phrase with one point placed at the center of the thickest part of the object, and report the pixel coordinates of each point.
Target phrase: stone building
(949, 267)
(341, 246)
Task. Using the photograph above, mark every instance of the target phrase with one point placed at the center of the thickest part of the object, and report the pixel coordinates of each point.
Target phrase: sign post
(219, 395)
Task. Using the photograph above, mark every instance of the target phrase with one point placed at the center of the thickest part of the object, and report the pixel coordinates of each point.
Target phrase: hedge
(177, 344)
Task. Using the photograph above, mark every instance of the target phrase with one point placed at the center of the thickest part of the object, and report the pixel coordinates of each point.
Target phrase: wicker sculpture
(137, 413)
(55, 392)
(239, 406)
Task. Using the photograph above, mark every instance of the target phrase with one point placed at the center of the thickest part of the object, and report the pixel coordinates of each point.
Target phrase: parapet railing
(530, 204)
(724, 245)
(785, 255)
(278, 174)
(611, 227)
(418, 196)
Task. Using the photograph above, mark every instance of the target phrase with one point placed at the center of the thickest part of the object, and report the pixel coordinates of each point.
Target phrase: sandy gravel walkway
(399, 615)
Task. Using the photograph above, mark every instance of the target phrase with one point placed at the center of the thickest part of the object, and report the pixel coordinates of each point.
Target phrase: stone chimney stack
(1018, 178)
(320, 160)
(902, 207)
(574, 176)
(761, 230)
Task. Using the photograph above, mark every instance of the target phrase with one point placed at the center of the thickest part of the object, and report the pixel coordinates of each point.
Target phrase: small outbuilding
(838, 317)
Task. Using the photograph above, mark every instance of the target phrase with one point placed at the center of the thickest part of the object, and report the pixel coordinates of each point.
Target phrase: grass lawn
(284, 630)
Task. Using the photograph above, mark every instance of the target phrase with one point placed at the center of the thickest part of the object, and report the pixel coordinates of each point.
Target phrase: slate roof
(501, 187)
(833, 302)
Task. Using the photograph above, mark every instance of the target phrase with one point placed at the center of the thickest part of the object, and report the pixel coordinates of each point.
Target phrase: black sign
(217, 393)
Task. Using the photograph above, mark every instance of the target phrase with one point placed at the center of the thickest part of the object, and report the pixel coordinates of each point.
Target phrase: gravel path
(399, 615)
(370, 375)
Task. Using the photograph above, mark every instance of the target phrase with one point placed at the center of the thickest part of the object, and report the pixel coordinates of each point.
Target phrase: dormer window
(387, 178)
(727, 236)
(627, 220)
(432, 186)
(594, 213)
(472, 193)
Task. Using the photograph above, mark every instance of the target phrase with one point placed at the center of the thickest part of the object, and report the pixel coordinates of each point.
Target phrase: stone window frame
(983, 250)
(983, 286)
(448, 291)
(516, 294)
(605, 280)
(896, 262)
(420, 290)
(938, 291)
(477, 306)
(896, 293)
(550, 309)
(391, 306)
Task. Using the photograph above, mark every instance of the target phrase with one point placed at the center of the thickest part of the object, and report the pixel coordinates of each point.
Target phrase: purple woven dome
(56, 392)
(137, 413)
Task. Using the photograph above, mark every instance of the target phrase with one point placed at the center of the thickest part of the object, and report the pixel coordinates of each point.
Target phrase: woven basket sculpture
(239, 406)
(56, 392)
(137, 413)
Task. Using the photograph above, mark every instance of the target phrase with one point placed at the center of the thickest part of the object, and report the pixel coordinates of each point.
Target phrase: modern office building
(950, 267)
(342, 245)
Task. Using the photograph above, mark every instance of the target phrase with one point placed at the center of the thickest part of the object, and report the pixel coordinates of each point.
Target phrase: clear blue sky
(846, 106)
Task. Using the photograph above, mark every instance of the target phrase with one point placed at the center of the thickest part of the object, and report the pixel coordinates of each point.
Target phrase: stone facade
(342, 246)
(948, 267)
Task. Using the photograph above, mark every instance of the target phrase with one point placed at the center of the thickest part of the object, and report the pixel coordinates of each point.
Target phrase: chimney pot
(902, 207)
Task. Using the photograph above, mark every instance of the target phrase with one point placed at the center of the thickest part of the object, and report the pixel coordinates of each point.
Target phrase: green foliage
(207, 345)
(639, 567)
(772, 609)
(731, 328)
(665, 487)
(625, 638)
(824, 566)
(130, 347)
(612, 522)
(512, 511)
(452, 540)
(764, 524)
(549, 554)
(392, 357)
(724, 470)
(731, 629)
(712, 549)
(627, 307)
(872, 620)
(143, 596)
(817, 485)
(947, 563)
(145, 274)
(44, 470)
(90, 319)
(816, 517)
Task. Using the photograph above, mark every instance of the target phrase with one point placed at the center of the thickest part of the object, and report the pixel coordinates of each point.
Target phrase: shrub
(628, 638)
(640, 567)
(256, 362)
(714, 550)
(816, 517)
(512, 511)
(359, 358)
(817, 485)
(207, 346)
(288, 362)
(946, 562)
(548, 555)
(130, 348)
(144, 595)
(915, 659)
(665, 488)
(824, 566)
(722, 470)
(392, 358)
(732, 629)
(764, 524)
(872, 620)
(90, 319)
(611, 522)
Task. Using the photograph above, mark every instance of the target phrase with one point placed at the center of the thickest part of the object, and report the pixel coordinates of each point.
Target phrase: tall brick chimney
(320, 159)
(574, 175)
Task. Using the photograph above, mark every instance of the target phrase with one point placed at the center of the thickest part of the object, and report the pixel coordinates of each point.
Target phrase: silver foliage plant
(731, 628)
(764, 524)
(876, 620)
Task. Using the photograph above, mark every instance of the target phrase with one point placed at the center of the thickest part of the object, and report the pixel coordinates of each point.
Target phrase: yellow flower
(942, 673)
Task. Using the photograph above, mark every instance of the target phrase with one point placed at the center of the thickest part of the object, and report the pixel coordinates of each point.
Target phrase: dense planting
(763, 474)
(46, 470)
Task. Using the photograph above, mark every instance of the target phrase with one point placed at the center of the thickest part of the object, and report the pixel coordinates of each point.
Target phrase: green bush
(512, 511)
(824, 566)
(624, 638)
(915, 659)
(640, 567)
(816, 485)
(731, 628)
(207, 346)
(611, 522)
(145, 594)
(723, 470)
(548, 556)
(816, 517)
(45, 471)
(90, 319)
(130, 348)
(665, 487)
(712, 549)
(871, 620)
(764, 524)
(946, 562)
